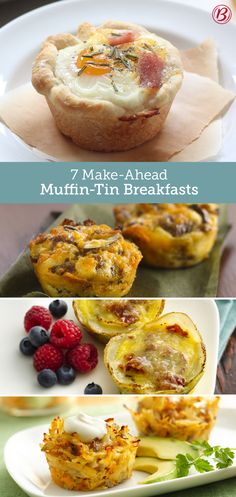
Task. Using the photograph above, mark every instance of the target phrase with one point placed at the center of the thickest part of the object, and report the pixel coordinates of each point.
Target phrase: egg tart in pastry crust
(107, 318)
(85, 260)
(170, 235)
(109, 88)
(166, 356)
(76, 465)
(183, 418)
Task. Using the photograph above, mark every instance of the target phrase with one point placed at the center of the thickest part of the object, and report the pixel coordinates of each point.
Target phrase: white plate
(184, 25)
(27, 465)
(18, 377)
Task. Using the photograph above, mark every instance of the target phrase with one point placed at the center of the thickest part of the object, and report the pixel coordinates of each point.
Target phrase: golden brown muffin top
(180, 407)
(175, 219)
(75, 247)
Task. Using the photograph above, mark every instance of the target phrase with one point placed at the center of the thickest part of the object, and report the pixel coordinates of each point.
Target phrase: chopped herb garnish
(119, 56)
(112, 52)
(116, 34)
(221, 457)
(147, 47)
(114, 86)
(81, 70)
(117, 53)
(131, 56)
(90, 55)
(125, 62)
(69, 227)
(97, 64)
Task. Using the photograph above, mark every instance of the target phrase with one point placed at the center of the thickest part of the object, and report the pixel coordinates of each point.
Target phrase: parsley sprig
(220, 457)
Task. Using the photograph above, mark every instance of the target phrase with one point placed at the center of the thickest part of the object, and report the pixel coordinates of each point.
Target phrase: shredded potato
(183, 418)
(75, 465)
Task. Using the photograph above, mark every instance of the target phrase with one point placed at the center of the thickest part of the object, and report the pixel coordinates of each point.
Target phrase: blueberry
(93, 389)
(66, 375)
(38, 336)
(58, 308)
(26, 347)
(47, 378)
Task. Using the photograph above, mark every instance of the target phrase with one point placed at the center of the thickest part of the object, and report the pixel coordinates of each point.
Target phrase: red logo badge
(222, 14)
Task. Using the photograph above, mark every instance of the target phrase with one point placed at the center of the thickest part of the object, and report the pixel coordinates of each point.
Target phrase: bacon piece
(124, 312)
(175, 328)
(134, 364)
(169, 381)
(150, 68)
(122, 37)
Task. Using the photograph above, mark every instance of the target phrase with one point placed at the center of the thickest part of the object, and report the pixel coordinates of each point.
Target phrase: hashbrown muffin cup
(75, 465)
(184, 418)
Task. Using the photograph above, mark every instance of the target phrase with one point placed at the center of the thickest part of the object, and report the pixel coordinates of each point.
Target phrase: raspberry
(65, 334)
(83, 358)
(37, 316)
(48, 357)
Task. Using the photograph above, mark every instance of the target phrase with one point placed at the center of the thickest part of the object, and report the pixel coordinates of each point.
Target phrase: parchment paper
(202, 60)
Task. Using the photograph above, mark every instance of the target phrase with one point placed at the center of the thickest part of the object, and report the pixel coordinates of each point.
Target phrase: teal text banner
(117, 182)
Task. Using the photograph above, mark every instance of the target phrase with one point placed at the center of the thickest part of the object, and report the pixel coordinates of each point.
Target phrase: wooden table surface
(226, 371)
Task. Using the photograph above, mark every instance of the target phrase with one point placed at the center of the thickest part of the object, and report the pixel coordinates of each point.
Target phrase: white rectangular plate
(28, 467)
(21, 378)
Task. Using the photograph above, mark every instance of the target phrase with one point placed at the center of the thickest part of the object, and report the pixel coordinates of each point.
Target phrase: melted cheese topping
(160, 359)
(122, 312)
(167, 355)
(99, 71)
(108, 318)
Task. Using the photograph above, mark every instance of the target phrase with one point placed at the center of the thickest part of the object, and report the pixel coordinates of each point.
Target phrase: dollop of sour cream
(86, 426)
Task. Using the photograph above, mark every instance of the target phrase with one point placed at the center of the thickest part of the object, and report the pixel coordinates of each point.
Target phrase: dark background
(10, 9)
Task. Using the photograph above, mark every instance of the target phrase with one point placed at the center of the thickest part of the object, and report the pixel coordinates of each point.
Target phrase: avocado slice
(165, 448)
(148, 464)
(166, 471)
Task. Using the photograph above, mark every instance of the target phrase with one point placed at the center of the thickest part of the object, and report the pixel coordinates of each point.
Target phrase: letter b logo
(222, 14)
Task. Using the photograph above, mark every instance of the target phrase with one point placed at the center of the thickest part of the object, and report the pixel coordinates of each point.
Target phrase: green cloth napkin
(8, 488)
(227, 311)
(198, 281)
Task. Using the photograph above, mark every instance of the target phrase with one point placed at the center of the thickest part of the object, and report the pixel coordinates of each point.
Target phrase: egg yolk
(94, 63)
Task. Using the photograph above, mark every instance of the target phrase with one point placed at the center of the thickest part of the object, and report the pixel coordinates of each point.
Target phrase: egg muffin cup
(108, 88)
(107, 318)
(75, 465)
(166, 356)
(85, 260)
(184, 418)
(170, 235)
